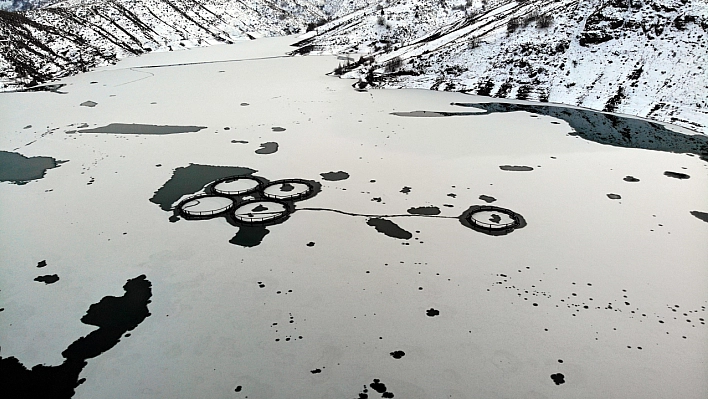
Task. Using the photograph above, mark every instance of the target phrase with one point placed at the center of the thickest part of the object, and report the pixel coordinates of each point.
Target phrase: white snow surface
(236, 186)
(207, 205)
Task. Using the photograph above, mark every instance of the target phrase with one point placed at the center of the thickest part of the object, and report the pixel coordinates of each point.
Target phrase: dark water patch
(610, 129)
(378, 386)
(260, 208)
(89, 104)
(406, 190)
(42, 263)
(191, 179)
(677, 175)
(19, 169)
(54, 88)
(278, 129)
(249, 236)
(516, 168)
(630, 179)
(558, 378)
(389, 228)
(114, 316)
(434, 114)
(614, 196)
(424, 210)
(137, 128)
(47, 279)
(700, 215)
(397, 354)
(487, 198)
(267, 148)
(432, 312)
(239, 141)
(335, 176)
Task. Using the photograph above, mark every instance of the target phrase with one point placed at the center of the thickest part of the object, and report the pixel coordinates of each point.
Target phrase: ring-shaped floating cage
(204, 206)
(261, 211)
(483, 217)
(237, 186)
(288, 190)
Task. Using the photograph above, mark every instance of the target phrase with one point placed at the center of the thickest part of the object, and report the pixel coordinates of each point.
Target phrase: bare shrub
(544, 21)
(314, 24)
(530, 17)
(393, 65)
(513, 24)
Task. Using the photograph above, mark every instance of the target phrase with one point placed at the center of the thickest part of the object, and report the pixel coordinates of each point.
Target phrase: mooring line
(373, 216)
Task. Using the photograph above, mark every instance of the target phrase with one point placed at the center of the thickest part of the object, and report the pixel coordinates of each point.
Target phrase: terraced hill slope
(639, 57)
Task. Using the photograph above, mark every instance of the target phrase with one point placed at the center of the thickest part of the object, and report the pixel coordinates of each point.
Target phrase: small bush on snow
(544, 21)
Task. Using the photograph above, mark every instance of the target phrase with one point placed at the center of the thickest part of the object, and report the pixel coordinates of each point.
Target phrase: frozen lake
(372, 280)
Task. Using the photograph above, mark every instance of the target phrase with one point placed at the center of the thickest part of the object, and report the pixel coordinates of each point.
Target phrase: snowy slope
(74, 36)
(644, 58)
(23, 5)
(641, 57)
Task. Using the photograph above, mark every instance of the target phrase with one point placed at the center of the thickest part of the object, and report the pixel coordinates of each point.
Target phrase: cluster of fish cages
(248, 200)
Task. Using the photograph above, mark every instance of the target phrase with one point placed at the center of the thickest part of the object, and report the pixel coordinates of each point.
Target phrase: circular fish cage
(260, 212)
(204, 206)
(288, 190)
(492, 220)
(237, 186)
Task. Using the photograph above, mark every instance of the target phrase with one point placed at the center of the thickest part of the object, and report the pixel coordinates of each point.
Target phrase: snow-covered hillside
(23, 5)
(641, 57)
(76, 35)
